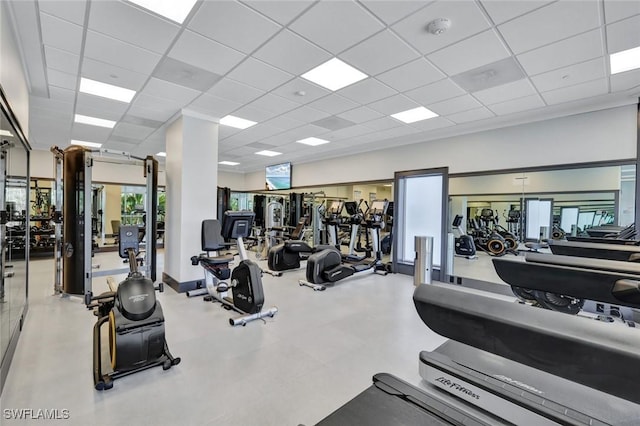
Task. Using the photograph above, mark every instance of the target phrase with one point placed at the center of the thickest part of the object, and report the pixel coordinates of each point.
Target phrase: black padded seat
(216, 260)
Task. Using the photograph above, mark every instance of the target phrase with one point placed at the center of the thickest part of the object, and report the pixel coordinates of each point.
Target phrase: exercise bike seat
(136, 298)
(216, 260)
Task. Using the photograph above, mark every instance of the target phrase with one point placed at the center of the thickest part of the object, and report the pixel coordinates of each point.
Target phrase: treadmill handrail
(583, 262)
(601, 246)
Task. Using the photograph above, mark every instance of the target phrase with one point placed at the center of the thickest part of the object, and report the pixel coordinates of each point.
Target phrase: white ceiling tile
(204, 53)
(306, 114)
(579, 91)
(432, 124)
(61, 60)
(614, 10)
(333, 104)
(391, 11)
(566, 52)
(471, 115)
(360, 114)
(336, 25)
(471, 53)
(260, 131)
(298, 133)
(571, 75)
(61, 34)
(281, 11)
(128, 23)
(453, 105)
(254, 114)
(549, 24)
(383, 123)
(97, 103)
(143, 100)
(62, 79)
(291, 89)
(292, 53)
(132, 131)
(84, 132)
(517, 105)
(151, 114)
(435, 92)
(72, 11)
(115, 52)
(409, 76)
(274, 104)
(227, 131)
(165, 90)
(214, 105)
(260, 75)
(235, 91)
(233, 24)
(284, 123)
(367, 56)
(393, 104)
(466, 19)
(61, 94)
(50, 104)
(348, 132)
(503, 10)
(396, 132)
(505, 92)
(367, 91)
(623, 35)
(625, 80)
(111, 74)
(118, 146)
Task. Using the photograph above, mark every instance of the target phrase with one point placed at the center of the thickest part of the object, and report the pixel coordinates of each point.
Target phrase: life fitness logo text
(453, 385)
(138, 297)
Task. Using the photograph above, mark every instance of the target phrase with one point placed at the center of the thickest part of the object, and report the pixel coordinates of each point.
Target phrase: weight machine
(73, 231)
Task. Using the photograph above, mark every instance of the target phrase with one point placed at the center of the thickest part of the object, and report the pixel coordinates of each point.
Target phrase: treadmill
(509, 363)
(622, 252)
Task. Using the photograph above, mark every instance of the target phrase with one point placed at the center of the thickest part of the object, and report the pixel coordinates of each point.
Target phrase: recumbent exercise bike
(247, 296)
(136, 322)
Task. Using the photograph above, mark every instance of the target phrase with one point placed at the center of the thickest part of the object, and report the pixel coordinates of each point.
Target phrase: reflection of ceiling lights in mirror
(94, 121)
(625, 61)
(105, 90)
(177, 11)
(228, 163)
(6, 133)
(161, 154)
(85, 143)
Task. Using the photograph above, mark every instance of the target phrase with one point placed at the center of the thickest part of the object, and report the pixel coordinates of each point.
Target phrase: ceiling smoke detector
(438, 26)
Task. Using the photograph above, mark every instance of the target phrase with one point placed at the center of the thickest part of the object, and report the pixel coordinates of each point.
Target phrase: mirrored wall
(15, 209)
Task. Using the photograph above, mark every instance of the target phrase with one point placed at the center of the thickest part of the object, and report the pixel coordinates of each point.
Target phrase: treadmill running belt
(391, 401)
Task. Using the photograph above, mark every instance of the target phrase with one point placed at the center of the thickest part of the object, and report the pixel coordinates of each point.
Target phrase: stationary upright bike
(247, 296)
(136, 322)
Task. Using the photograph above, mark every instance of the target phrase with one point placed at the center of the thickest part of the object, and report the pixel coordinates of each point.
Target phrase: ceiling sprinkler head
(438, 26)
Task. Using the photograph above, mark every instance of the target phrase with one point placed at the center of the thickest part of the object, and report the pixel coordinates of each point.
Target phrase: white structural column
(191, 182)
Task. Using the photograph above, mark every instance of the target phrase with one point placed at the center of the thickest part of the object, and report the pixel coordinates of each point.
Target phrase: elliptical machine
(327, 267)
(247, 296)
(464, 245)
(136, 322)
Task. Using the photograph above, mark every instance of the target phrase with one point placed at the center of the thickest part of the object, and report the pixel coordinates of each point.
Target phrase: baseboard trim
(181, 287)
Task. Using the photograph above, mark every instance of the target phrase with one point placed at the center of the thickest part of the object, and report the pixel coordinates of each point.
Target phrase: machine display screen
(278, 176)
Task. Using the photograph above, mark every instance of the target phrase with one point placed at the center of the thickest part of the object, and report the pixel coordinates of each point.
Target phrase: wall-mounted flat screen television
(278, 176)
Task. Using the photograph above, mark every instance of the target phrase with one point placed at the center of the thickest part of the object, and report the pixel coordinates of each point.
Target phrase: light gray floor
(320, 350)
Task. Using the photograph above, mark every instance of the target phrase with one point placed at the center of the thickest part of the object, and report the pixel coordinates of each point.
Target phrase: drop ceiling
(500, 63)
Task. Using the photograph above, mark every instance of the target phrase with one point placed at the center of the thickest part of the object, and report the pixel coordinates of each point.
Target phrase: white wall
(596, 136)
(12, 75)
(591, 179)
(230, 180)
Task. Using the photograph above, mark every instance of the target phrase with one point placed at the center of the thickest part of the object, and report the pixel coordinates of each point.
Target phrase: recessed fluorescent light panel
(334, 75)
(313, 141)
(93, 121)
(237, 122)
(268, 153)
(105, 90)
(176, 10)
(228, 163)
(625, 61)
(6, 133)
(413, 115)
(161, 154)
(87, 144)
